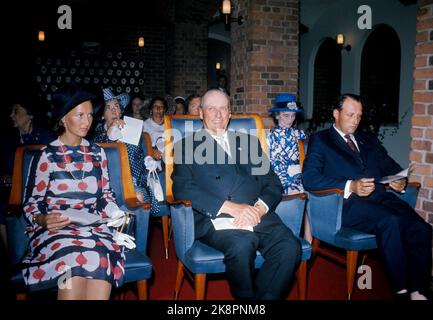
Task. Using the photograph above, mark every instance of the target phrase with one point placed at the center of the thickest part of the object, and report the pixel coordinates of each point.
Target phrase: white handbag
(153, 179)
(154, 184)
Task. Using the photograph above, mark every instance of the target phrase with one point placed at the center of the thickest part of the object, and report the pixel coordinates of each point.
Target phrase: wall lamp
(226, 10)
(340, 42)
(41, 36)
(141, 42)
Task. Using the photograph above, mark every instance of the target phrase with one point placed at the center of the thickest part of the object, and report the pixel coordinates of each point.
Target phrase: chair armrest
(133, 203)
(324, 208)
(182, 219)
(186, 203)
(410, 195)
(291, 211)
(302, 196)
(327, 192)
(141, 228)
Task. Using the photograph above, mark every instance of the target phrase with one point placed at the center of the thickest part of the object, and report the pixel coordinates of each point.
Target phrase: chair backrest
(291, 211)
(120, 182)
(17, 239)
(303, 148)
(179, 126)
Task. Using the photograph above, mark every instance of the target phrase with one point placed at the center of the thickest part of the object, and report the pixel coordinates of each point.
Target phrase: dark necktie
(351, 144)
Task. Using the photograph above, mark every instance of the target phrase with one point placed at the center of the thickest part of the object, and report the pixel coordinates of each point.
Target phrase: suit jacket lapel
(362, 147)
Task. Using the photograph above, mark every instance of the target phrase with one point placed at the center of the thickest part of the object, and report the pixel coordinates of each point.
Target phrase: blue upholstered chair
(138, 267)
(164, 210)
(194, 256)
(324, 210)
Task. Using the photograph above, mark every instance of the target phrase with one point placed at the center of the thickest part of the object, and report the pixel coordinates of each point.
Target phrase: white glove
(117, 218)
(151, 164)
(124, 239)
(114, 133)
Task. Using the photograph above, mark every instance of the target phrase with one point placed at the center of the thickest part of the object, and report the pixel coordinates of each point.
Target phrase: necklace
(67, 162)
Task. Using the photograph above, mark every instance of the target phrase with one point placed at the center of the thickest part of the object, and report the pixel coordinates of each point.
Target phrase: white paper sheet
(132, 130)
(227, 223)
(402, 174)
(83, 218)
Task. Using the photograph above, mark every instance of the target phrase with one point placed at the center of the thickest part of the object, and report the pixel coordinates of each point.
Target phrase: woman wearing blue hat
(283, 143)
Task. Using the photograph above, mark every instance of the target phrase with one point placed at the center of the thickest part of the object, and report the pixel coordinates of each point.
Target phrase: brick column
(422, 121)
(264, 56)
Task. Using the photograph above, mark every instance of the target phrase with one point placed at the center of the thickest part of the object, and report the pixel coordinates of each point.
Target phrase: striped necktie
(351, 144)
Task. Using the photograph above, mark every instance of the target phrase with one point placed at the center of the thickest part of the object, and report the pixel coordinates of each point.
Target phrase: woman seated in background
(155, 127)
(283, 143)
(134, 108)
(193, 102)
(27, 115)
(109, 130)
(284, 148)
(180, 105)
(70, 176)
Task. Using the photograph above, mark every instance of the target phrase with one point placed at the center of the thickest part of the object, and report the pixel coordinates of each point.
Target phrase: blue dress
(284, 156)
(73, 179)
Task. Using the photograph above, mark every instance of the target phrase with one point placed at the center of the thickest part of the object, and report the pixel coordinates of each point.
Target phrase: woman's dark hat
(68, 97)
(286, 102)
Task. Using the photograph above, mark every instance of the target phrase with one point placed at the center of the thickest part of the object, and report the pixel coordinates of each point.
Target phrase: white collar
(341, 133)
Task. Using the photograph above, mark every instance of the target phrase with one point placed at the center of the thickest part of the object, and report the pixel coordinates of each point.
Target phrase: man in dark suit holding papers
(344, 158)
(219, 171)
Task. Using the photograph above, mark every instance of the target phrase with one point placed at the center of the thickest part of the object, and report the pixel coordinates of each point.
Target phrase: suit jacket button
(217, 177)
(229, 198)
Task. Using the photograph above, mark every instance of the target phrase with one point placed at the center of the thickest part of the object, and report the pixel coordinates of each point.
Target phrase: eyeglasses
(112, 107)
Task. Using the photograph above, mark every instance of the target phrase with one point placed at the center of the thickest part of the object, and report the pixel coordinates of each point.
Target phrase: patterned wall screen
(111, 69)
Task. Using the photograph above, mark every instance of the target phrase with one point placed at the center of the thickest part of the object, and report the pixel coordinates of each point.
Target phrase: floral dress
(284, 154)
(74, 179)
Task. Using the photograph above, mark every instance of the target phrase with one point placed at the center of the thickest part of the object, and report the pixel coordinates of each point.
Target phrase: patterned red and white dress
(73, 179)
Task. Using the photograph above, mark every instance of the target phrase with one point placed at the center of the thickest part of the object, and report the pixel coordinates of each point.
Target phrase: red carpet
(326, 279)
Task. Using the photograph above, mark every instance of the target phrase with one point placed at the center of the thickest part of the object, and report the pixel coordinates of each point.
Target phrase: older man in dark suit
(223, 180)
(344, 158)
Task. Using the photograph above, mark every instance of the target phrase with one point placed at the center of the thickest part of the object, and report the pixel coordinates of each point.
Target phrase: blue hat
(285, 102)
(122, 98)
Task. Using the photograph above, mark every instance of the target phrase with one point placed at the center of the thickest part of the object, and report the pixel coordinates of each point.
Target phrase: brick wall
(189, 57)
(422, 120)
(264, 54)
(187, 51)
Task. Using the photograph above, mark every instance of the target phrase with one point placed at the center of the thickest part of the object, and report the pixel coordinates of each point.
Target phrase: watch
(34, 217)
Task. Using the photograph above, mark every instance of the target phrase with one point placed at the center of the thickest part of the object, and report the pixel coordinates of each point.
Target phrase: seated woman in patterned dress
(107, 131)
(283, 143)
(284, 148)
(71, 176)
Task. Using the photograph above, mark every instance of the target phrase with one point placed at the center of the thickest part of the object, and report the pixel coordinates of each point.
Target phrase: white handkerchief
(132, 130)
(227, 223)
